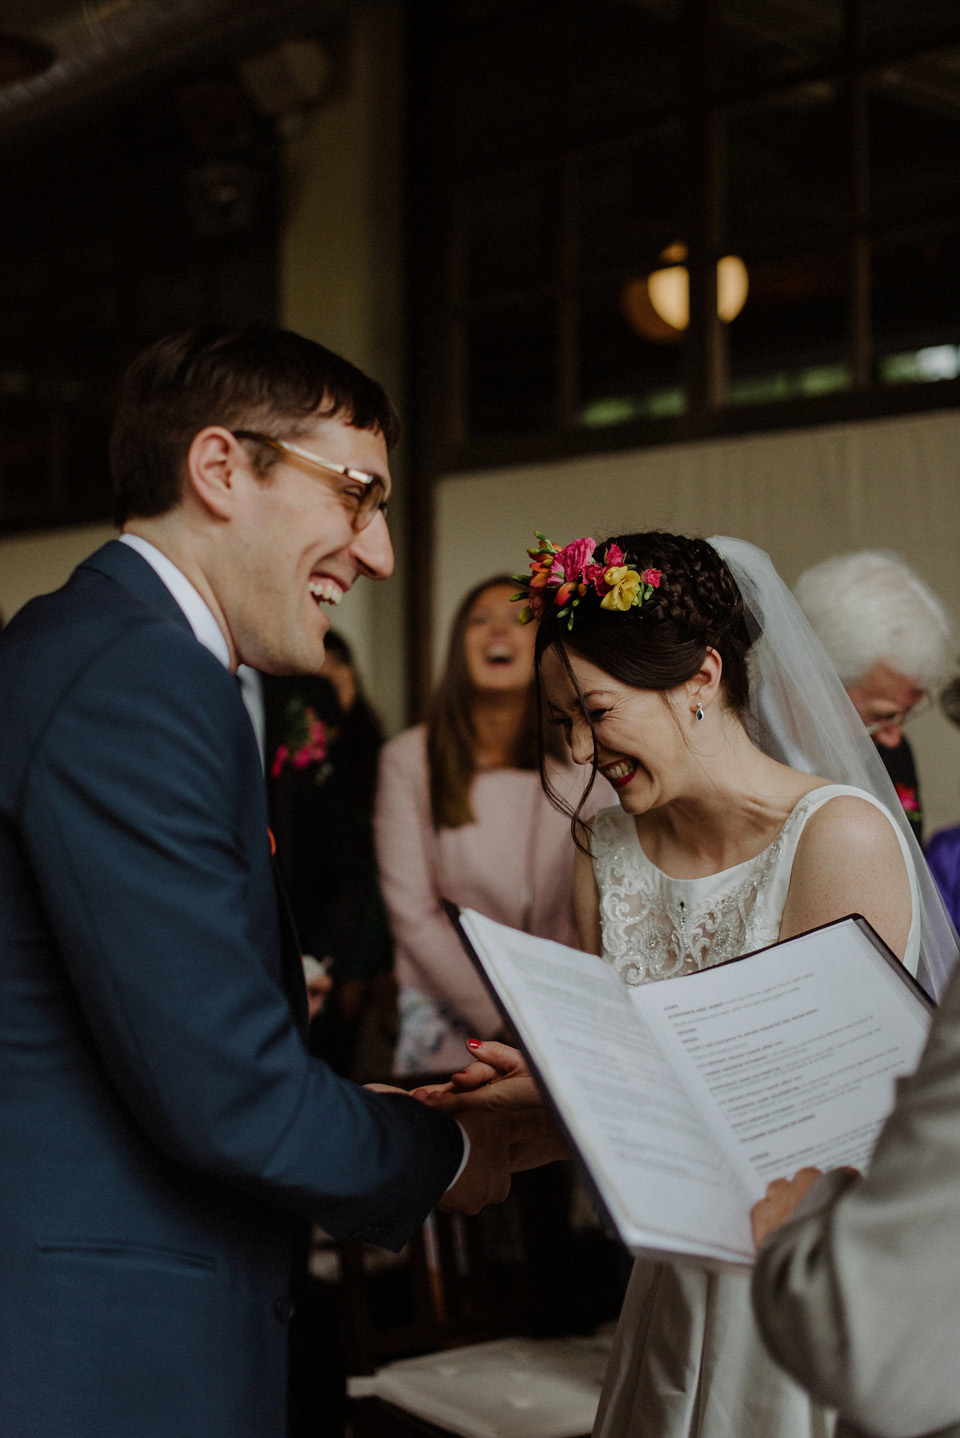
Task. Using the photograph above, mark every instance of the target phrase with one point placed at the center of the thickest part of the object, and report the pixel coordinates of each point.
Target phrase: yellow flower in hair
(625, 591)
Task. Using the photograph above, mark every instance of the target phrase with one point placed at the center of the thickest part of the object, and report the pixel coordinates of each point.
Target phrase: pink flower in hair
(576, 556)
(593, 575)
(652, 577)
(614, 557)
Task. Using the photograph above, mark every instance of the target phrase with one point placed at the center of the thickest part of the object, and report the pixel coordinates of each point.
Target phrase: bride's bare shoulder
(850, 819)
(849, 861)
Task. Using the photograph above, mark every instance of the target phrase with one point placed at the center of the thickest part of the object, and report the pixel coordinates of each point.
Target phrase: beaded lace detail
(655, 927)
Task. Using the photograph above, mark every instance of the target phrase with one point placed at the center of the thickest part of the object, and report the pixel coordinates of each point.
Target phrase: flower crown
(562, 577)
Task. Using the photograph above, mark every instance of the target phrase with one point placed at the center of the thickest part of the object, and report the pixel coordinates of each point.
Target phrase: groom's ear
(216, 465)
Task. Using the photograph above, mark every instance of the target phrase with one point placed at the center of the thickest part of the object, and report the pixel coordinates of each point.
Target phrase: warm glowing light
(732, 286)
(669, 292)
(658, 307)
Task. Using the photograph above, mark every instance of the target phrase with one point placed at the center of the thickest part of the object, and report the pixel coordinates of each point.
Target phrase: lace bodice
(655, 927)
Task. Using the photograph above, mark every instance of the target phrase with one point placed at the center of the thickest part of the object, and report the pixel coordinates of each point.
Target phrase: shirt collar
(198, 612)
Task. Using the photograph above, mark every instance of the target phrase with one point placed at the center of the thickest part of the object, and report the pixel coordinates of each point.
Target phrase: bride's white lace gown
(687, 1361)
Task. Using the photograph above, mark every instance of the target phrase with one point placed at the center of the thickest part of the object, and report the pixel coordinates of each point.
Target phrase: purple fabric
(943, 857)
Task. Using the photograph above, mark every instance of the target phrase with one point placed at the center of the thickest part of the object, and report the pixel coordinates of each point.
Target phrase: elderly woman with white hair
(891, 641)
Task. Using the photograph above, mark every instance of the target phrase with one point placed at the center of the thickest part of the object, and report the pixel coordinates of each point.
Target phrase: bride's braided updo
(662, 643)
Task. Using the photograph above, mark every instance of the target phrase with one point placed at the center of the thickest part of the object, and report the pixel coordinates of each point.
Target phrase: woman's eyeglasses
(901, 717)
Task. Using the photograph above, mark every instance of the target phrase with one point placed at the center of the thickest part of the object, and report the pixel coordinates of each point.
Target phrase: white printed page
(795, 1049)
(657, 1167)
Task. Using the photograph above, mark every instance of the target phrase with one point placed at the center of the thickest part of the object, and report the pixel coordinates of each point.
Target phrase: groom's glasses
(366, 494)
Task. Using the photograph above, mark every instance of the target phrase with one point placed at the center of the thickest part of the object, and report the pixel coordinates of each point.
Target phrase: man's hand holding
(501, 1143)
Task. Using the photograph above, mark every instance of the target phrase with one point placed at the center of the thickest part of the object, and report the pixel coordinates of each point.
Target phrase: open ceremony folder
(684, 1098)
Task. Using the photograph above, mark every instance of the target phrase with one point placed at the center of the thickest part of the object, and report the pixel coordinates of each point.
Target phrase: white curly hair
(869, 607)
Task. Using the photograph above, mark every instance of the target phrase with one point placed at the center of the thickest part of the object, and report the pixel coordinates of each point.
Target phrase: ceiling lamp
(658, 307)
(22, 58)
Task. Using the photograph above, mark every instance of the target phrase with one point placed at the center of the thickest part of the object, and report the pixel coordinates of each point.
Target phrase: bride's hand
(497, 1079)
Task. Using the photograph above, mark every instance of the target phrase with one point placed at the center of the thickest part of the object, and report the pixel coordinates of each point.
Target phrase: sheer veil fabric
(800, 714)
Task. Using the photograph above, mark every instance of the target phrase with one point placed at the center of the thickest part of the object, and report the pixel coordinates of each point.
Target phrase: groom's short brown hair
(258, 377)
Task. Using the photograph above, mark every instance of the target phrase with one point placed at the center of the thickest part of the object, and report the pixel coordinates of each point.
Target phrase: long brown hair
(451, 735)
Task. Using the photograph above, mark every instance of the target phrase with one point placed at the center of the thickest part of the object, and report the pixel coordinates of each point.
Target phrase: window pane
(916, 309)
(512, 370)
(502, 85)
(53, 458)
(624, 375)
(513, 230)
(632, 201)
(785, 167)
(790, 337)
(888, 22)
(914, 117)
(624, 60)
(776, 38)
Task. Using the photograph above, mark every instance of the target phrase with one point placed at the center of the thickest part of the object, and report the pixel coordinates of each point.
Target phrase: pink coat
(515, 864)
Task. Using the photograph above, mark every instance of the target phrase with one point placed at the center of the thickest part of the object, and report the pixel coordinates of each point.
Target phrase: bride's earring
(699, 711)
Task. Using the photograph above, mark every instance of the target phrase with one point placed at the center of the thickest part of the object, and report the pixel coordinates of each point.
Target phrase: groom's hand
(500, 1144)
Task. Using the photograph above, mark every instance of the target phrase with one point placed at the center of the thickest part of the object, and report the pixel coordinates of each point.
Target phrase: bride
(751, 808)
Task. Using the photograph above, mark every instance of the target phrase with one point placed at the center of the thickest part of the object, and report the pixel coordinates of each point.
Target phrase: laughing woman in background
(461, 815)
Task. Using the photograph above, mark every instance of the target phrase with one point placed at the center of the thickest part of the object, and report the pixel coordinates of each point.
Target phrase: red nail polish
(473, 1043)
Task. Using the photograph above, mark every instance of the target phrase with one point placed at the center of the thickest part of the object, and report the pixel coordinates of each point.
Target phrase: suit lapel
(122, 563)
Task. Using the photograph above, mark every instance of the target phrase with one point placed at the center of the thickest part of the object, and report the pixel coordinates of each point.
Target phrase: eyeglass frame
(902, 717)
(368, 507)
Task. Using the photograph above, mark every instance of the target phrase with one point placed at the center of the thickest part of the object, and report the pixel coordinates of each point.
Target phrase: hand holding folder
(683, 1099)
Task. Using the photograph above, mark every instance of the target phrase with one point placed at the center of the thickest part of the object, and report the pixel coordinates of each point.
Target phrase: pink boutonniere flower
(307, 740)
(908, 798)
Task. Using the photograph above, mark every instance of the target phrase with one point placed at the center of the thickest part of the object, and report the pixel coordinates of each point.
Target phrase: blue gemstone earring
(699, 711)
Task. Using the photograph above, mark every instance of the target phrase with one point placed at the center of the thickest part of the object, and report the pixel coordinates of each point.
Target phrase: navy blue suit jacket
(163, 1129)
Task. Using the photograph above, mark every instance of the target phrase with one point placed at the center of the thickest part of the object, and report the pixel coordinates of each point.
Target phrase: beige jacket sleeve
(858, 1297)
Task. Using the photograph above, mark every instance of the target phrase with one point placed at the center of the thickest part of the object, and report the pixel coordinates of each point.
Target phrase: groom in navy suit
(164, 1132)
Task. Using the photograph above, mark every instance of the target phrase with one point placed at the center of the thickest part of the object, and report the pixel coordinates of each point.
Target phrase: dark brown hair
(258, 377)
(451, 736)
(663, 643)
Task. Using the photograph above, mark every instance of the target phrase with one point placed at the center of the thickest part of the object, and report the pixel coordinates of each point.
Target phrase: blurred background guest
(321, 743)
(364, 1001)
(891, 641)
(460, 815)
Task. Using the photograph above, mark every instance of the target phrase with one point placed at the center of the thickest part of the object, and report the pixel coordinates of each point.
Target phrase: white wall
(800, 495)
(342, 284)
(35, 563)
